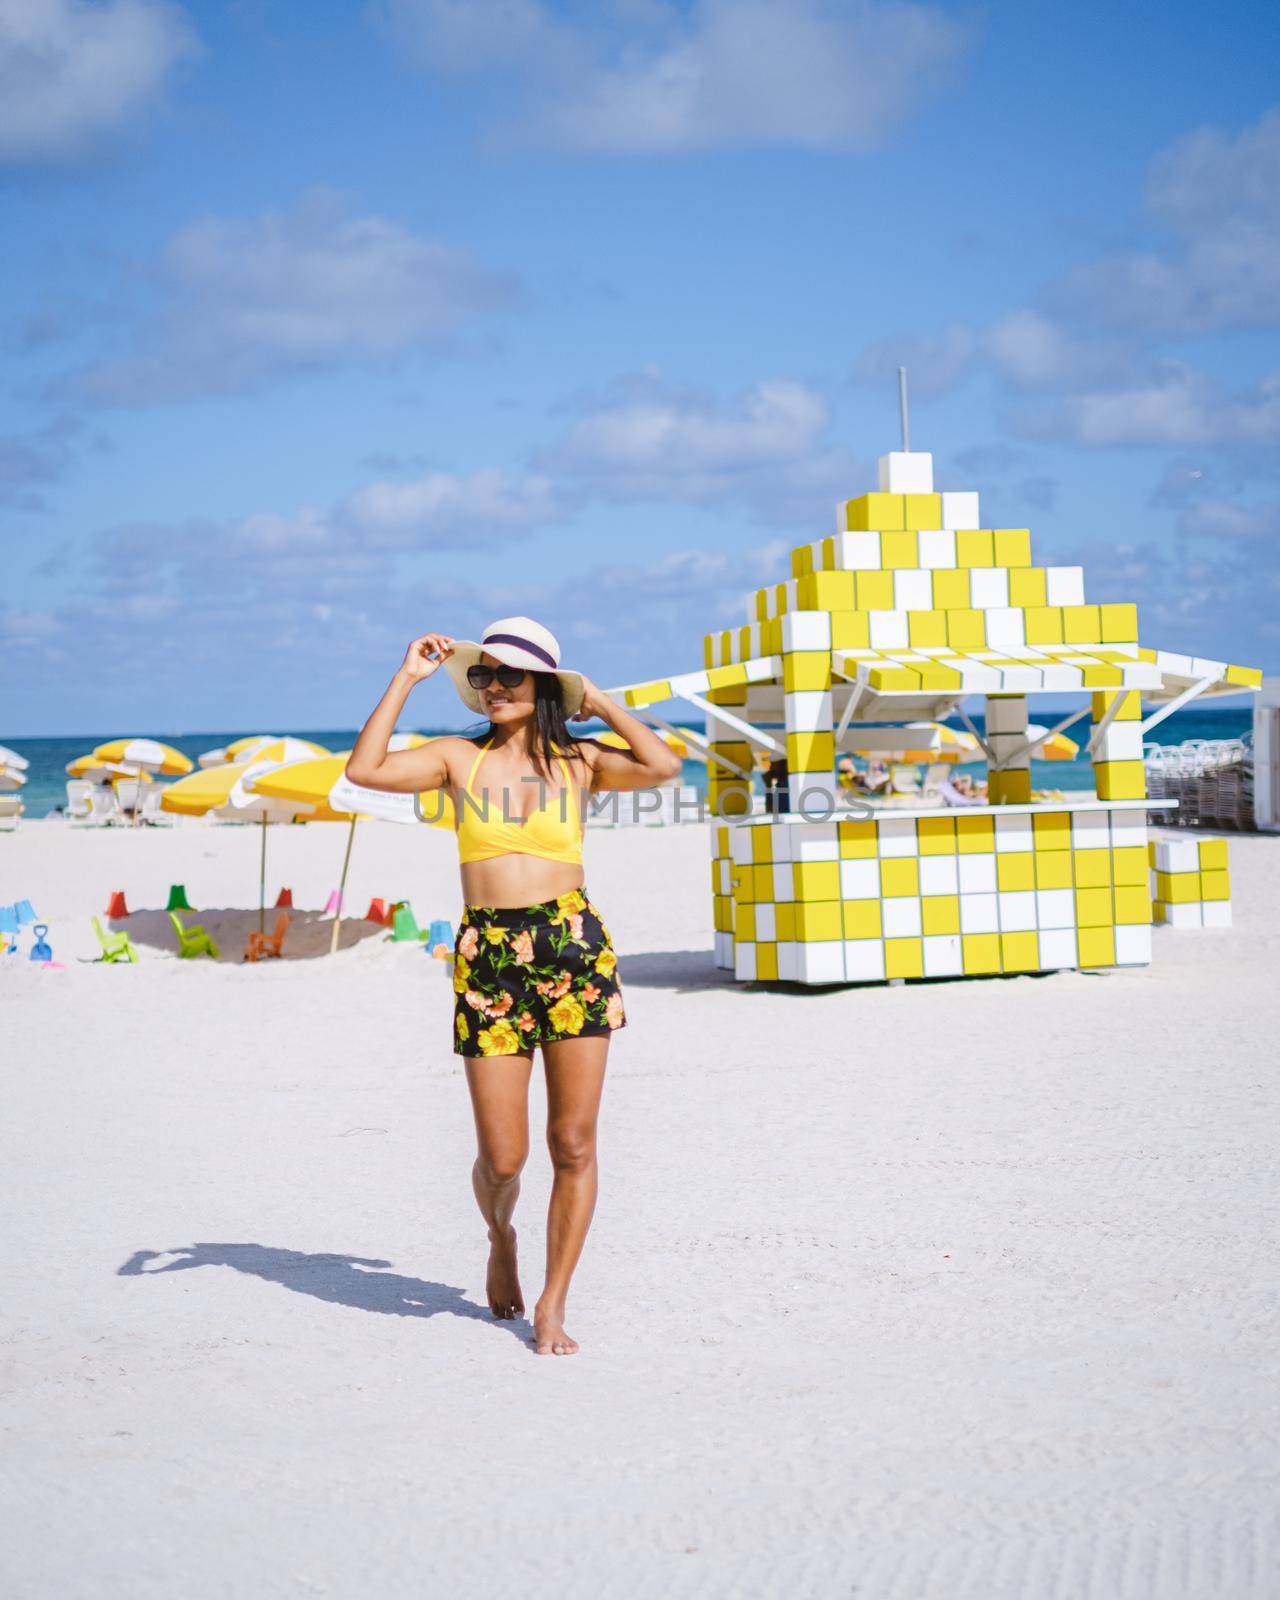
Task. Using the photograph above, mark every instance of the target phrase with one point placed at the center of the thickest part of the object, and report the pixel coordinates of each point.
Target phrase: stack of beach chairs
(1210, 779)
(1190, 882)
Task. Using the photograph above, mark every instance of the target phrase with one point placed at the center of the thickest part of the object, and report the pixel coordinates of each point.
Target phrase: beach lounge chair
(79, 800)
(11, 808)
(115, 946)
(151, 811)
(192, 941)
(128, 792)
(104, 807)
(956, 797)
(267, 944)
(936, 775)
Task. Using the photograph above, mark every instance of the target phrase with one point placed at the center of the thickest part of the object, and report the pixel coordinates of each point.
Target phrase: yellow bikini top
(553, 830)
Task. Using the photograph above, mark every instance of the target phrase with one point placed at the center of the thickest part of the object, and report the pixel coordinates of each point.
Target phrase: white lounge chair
(104, 807)
(11, 808)
(79, 800)
(128, 793)
(151, 811)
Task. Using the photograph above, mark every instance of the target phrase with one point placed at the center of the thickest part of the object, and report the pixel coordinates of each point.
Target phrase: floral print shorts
(530, 975)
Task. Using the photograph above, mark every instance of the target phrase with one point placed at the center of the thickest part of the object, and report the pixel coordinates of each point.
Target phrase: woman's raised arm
(648, 758)
(402, 771)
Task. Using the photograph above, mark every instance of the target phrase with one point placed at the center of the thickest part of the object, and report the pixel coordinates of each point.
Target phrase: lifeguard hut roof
(916, 605)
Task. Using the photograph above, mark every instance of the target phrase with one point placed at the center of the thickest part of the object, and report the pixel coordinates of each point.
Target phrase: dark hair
(550, 730)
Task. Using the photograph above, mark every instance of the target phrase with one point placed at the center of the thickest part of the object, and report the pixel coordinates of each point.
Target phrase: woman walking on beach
(534, 966)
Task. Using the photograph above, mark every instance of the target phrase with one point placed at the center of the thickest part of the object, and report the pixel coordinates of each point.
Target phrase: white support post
(721, 714)
(1176, 704)
(1032, 745)
(1009, 777)
(968, 722)
(689, 734)
(1108, 717)
(851, 705)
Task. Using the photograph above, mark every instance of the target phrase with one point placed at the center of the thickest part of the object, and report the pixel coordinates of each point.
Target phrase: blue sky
(323, 326)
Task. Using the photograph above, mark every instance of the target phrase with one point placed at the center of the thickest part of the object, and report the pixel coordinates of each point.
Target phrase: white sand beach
(963, 1289)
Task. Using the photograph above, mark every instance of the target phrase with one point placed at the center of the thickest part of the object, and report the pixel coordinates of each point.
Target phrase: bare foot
(549, 1337)
(503, 1282)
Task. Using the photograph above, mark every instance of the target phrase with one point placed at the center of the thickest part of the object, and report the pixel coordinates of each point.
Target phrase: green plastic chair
(192, 941)
(115, 946)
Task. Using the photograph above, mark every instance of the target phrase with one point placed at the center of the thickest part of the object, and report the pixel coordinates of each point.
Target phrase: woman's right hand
(417, 658)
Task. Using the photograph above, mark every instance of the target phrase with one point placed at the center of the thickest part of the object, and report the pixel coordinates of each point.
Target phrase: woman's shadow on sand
(357, 1281)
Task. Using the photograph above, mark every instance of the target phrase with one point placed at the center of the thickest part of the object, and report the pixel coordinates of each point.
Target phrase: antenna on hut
(902, 407)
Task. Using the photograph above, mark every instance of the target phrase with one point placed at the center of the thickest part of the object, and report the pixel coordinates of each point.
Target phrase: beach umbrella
(319, 783)
(693, 750)
(251, 746)
(269, 747)
(617, 742)
(220, 790)
(937, 742)
(203, 791)
(144, 755)
(11, 758)
(1055, 748)
(95, 770)
(11, 777)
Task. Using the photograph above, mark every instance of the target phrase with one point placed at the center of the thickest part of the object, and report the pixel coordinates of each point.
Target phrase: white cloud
(472, 36)
(72, 71)
(646, 427)
(243, 302)
(444, 504)
(1032, 352)
(1231, 521)
(1180, 408)
(1025, 348)
(1088, 352)
(721, 74)
(935, 363)
(1219, 198)
(644, 440)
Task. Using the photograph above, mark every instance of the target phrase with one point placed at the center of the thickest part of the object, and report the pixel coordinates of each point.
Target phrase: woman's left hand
(593, 702)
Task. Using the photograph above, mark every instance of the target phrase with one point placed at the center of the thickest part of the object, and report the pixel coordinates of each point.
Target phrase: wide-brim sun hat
(516, 642)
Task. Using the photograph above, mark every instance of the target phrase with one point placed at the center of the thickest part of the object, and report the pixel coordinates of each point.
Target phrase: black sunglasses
(481, 677)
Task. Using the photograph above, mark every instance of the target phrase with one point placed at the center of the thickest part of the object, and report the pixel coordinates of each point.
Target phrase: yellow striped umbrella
(93, 770)
(204, 790)
(143, 755)
(146, 753)
(267, 747)
(321, 785)
(1055, 748)
(617, 742)
(943, 744)
(83, 765)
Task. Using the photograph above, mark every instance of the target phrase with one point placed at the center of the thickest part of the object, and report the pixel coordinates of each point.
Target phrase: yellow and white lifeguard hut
(908, 609)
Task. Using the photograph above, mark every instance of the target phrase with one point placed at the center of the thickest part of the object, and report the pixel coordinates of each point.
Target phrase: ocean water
(46, 777)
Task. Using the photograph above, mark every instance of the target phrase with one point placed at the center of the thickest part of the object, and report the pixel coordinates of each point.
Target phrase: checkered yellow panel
(1190, 882)
(948, 896)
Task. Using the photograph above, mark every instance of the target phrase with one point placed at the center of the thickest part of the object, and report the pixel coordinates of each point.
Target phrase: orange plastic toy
(262, 945)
